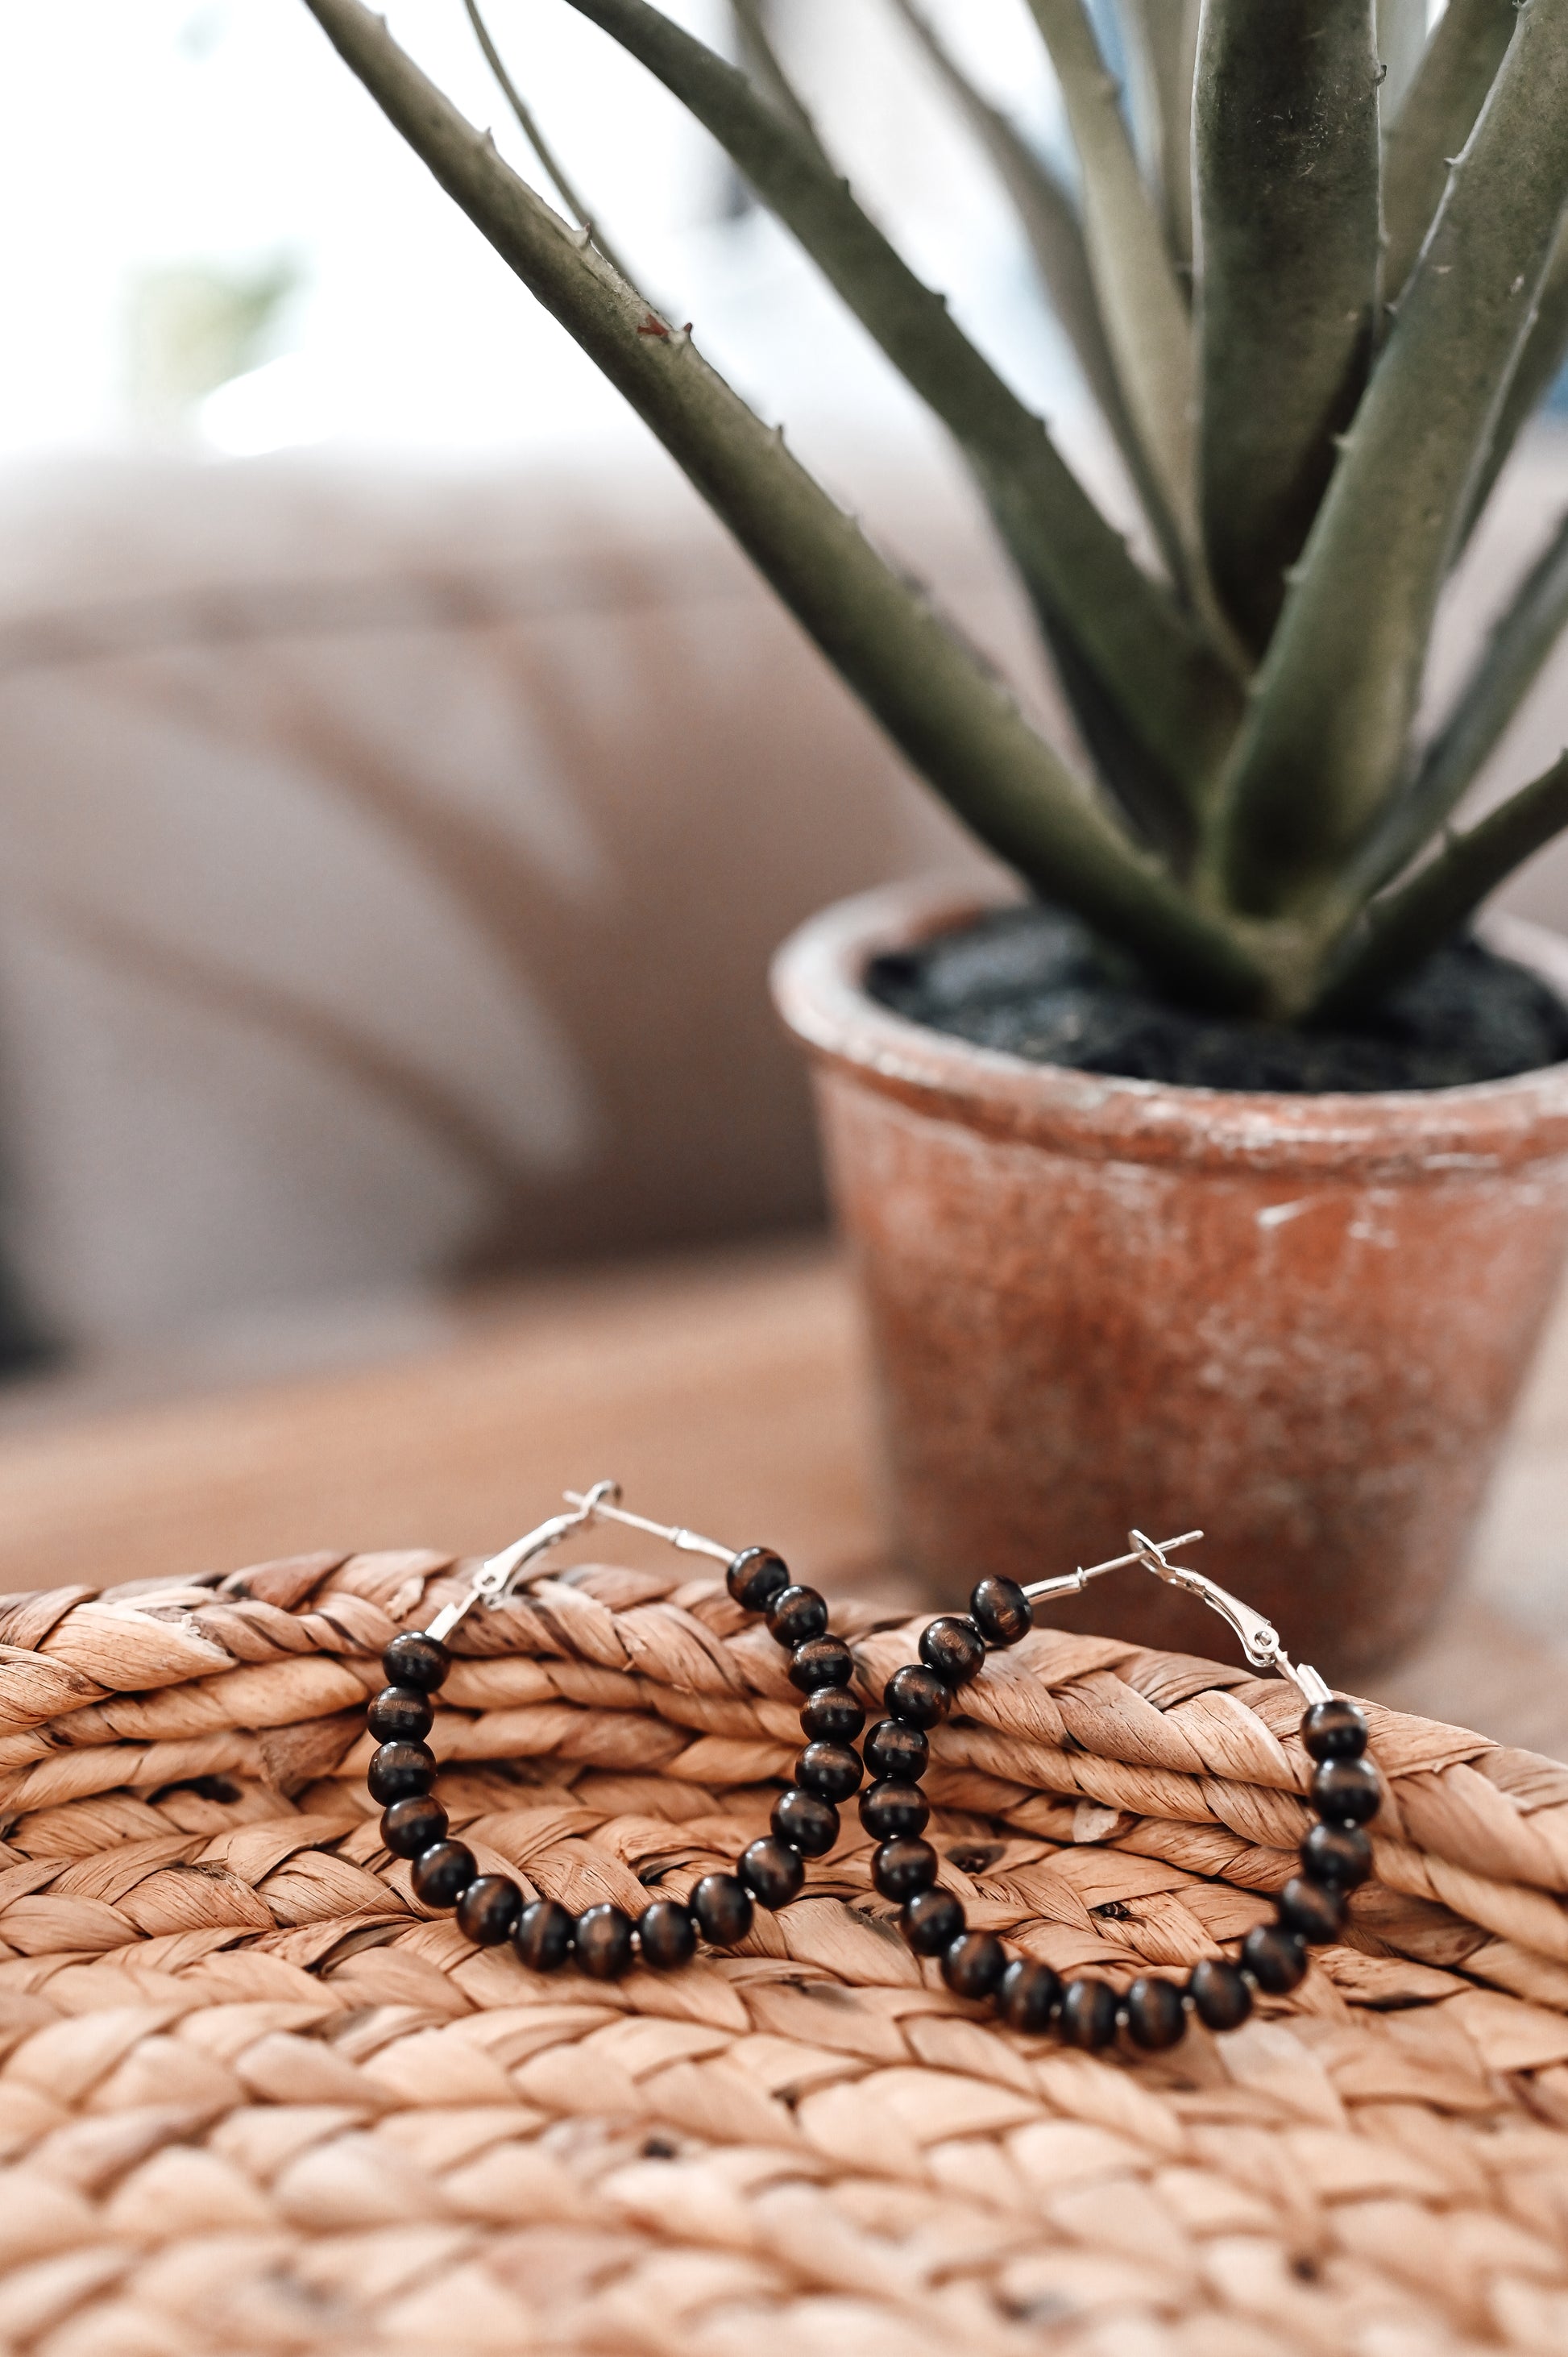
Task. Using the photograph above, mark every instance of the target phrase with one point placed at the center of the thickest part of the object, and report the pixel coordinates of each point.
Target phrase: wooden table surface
(728, 1393)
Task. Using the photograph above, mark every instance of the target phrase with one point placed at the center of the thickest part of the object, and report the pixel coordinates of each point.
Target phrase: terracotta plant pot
(1299, 1322)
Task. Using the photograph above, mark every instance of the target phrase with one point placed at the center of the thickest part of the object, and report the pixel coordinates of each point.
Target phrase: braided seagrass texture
(254, 2098)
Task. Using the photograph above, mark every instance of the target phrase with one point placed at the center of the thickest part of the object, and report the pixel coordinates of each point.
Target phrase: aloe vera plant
(1315, 325)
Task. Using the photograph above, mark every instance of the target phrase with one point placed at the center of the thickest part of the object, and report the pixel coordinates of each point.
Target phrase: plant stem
(929, 692)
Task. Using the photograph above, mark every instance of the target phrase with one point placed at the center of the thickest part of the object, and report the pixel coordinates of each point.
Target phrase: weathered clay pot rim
(1402, 1135)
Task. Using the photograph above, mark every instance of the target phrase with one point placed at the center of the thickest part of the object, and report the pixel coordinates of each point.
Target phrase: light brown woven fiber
(254, 2098)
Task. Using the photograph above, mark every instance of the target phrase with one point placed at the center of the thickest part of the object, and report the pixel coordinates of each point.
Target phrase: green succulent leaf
(935, 698)
(1326, 743)
(1286, 132)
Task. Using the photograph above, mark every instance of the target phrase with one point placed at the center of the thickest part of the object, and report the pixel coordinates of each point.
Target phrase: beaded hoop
(604, 1940)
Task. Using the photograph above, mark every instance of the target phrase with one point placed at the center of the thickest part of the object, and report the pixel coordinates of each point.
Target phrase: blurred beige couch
(390, 865)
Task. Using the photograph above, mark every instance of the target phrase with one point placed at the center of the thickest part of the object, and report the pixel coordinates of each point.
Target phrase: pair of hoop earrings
(604, 1941)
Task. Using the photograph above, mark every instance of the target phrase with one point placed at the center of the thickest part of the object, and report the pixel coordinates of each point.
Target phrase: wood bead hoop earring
(1084, 2010)
(604, 1940)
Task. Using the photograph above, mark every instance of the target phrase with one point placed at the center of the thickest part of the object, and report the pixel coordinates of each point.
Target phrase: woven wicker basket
(254, 2099)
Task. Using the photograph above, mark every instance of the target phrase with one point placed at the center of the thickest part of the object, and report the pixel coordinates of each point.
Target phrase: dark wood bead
(1001, 1611)
(722, 1905)
(756, 1576)
(442, 1873)
(821, 1661)
(832, 1770)
(667, 1935)
(772, 1871)
(953, 1647)
(795, 1614)
(931, 1920)
(400, 1771)
(1275, 1958)
(413, 1824)
(543, 1939)
(1334, 1730)
(1340, 1856)
(901, 1867)
(1156, 2017)
(899, 1753)
(1221, 1997)
(1311, 1909)
(890, 1809)
(603, 1945)
(488, 1909)
(400, 1715)
(1346, 1792)
(1089, 2013)
(917, 1696)
(831, 1716)
(805, 1821)
(1030, 1994)
(415, 1660)
(974, 1966)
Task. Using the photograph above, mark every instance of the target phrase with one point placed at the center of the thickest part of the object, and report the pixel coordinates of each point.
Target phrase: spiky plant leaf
(1409, 923)
(1049, 216)
(1436, 118)
(1177, 699)
(934, 698)
(1286, 126)
(1139, 776)
(760, 58)
(1402, 38)
(1539, 365)
(1161, 40)
(1324, 748)
(1500, 678)
(1146, 314)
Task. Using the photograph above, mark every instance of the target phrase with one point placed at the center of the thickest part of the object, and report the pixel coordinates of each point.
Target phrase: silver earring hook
(1260, 1639)
(501, 1575)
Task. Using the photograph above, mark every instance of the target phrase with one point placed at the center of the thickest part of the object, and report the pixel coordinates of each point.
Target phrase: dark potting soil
(1035, 981)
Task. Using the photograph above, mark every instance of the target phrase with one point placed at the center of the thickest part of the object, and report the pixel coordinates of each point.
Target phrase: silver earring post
(1073, 1583)
(674, 1534)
